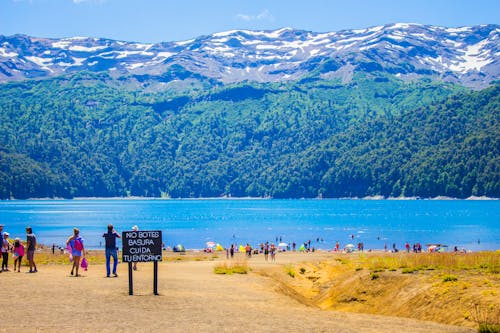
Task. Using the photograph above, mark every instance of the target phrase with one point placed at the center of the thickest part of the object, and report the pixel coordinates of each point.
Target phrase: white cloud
(265, 15)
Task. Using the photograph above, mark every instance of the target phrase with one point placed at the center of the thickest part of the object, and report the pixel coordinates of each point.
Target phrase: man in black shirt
(31, 247)
(110, 238)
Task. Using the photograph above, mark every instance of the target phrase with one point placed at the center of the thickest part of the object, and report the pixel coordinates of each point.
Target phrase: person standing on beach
(30, 247)
(111, 250)
(77, 250)
(273, 252)
(1, 239)
(231, 251)
(18, 254)
(248, 250)
(5, 252)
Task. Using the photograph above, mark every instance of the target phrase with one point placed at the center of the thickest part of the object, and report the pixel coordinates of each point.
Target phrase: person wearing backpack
(77, 250)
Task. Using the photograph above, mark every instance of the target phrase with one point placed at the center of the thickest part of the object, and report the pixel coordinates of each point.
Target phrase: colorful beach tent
(219, 247)
(242, 248)
(179, 248)
(436, 247)
(302, 248)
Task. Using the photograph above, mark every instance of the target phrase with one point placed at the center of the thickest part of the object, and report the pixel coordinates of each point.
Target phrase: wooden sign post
(142, 246)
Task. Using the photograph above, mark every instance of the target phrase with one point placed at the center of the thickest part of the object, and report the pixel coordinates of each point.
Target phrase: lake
(469, 224)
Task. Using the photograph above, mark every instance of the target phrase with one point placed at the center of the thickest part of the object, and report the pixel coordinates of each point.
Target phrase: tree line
(80, 136)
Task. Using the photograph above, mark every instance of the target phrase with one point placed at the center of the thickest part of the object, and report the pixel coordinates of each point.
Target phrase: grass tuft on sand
(238, 267)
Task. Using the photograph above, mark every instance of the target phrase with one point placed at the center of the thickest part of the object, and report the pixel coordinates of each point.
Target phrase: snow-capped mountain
(467, 55)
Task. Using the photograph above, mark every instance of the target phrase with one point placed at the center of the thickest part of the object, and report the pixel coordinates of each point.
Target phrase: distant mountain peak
(464, 55)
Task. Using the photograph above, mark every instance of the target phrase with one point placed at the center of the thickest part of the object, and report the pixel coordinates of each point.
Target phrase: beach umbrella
(210, 244)
(282, 244)
(349, 248)
(431, 248)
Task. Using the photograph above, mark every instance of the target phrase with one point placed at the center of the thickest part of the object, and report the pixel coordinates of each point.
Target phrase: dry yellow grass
(237, 267)
(442, 287)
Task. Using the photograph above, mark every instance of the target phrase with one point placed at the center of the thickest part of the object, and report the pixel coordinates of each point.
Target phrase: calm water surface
(474, 225)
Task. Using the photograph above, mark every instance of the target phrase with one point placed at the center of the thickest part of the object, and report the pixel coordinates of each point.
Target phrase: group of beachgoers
(75, 247)
(18, 250)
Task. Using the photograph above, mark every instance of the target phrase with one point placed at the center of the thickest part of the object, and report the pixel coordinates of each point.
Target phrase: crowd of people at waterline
(18, 249)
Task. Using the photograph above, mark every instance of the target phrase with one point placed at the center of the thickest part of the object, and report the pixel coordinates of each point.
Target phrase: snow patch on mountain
(473, 58)
(466, 55)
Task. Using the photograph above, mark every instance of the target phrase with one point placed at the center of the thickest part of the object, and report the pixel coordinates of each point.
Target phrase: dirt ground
(192, 299)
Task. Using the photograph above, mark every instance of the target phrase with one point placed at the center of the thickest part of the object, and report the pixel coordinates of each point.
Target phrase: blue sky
(169, 20)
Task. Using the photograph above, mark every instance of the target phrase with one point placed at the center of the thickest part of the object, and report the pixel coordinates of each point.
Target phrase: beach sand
(192, 299)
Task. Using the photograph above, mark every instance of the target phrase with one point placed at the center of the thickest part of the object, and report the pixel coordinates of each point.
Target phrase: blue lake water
(473, 225)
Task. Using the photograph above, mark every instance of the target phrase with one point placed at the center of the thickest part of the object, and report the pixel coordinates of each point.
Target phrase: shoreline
(372, 198)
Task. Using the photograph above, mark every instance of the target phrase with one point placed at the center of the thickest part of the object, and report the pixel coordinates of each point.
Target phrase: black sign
(142, 246)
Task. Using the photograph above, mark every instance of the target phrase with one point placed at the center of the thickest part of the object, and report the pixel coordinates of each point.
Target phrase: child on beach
(273, 252)
(18, 254)
(5, 252)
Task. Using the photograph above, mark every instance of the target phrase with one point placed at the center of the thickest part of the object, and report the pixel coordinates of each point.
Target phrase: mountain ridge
(400, 110)
(468, 55)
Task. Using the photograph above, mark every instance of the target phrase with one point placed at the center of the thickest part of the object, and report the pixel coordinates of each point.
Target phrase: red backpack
(78, 245)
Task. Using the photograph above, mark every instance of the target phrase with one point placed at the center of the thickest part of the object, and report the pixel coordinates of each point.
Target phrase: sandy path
(192, 299)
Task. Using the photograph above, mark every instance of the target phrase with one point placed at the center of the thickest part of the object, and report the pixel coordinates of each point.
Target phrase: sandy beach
(192, 299)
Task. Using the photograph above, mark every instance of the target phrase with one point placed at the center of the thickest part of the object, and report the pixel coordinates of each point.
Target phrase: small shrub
(359, 269)
(233, 268)
(494, 270)
(374, 276)
(240, 269)
(302, 270)
(489, 328)
(340, 260)
(487, 318)
(409, 270)
(290, 270)
(450, 278)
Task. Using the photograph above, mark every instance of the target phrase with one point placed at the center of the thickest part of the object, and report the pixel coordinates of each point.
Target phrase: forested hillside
(81, 136)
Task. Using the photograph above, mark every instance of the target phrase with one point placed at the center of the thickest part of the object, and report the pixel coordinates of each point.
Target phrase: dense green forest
(81, 136)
